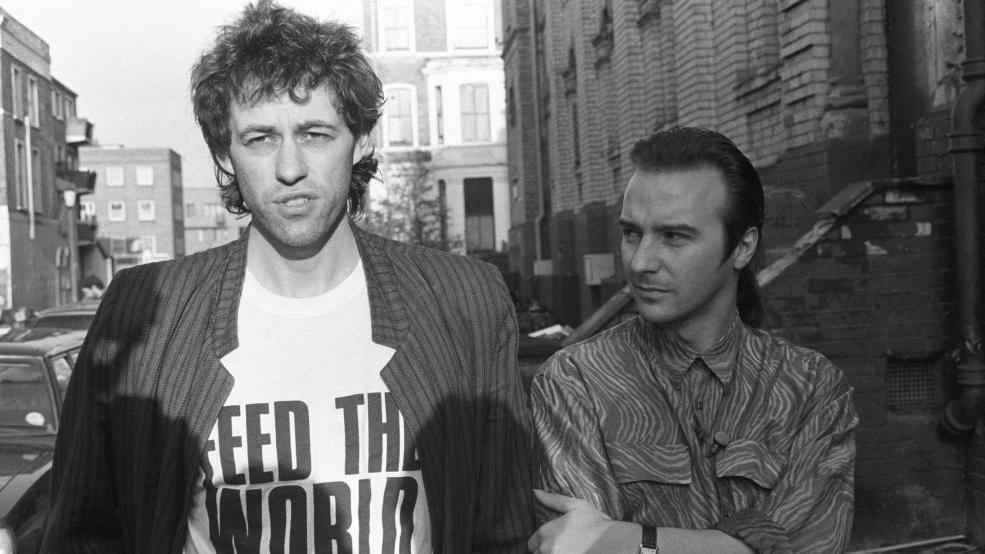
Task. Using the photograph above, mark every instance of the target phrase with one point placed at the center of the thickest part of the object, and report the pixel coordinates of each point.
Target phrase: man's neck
(305, 276)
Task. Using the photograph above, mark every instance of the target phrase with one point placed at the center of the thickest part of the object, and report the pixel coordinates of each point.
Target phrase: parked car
(35, 366)
(74, 315)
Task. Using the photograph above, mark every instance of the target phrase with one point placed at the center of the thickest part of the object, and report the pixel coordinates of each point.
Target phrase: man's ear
(361, 149)
(745, 249)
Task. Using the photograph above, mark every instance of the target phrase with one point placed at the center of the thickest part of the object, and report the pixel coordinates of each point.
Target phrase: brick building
(39, 137)
(860, 234)
(139, 204)
(443, 128)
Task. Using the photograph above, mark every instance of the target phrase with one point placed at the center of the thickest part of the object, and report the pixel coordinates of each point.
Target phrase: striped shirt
(754, 437)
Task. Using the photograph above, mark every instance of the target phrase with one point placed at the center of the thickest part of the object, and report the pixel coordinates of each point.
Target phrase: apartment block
(139, 204)
(40, 133)
(207, 222)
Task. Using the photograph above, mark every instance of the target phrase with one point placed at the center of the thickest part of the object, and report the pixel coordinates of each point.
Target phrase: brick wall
(810, 116)
(876, 295)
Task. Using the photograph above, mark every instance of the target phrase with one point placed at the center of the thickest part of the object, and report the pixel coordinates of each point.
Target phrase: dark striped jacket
(149, 385)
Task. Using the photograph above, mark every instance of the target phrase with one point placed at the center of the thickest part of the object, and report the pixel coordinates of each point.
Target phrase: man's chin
(654, 313)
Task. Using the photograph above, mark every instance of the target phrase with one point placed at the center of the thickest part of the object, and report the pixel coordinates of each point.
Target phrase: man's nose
(648, 257)
(291, 166)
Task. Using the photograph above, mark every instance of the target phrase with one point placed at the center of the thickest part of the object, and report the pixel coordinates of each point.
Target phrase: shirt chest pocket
(661, 463)
(749, 459)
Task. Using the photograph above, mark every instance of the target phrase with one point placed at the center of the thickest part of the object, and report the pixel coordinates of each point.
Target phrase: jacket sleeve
(811, 506)
(82, 515)
(504, 511)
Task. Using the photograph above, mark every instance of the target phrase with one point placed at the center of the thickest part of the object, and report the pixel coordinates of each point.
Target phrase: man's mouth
(650, 289)
(296, 201)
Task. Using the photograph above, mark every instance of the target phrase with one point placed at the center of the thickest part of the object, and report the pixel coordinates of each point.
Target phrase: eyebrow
(258, 128)
(316, 123)
(678, 228)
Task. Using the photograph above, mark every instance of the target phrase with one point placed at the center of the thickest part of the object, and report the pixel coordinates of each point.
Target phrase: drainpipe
(966, 147)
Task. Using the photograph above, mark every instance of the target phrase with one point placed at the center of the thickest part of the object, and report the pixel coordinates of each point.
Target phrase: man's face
(673, 247)
(293, 163)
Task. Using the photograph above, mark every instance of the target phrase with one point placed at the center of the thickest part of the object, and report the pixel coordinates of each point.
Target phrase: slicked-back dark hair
(270, 51)
(690, 148)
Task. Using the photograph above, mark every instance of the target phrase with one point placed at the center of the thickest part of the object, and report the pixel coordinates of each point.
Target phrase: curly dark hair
(271, 51)
(685, 148)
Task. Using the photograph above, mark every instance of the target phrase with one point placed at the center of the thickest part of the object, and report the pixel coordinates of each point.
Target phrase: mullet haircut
(271, 51)
(690, 148)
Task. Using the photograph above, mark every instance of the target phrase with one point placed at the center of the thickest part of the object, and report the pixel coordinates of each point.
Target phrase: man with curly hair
(310, 387)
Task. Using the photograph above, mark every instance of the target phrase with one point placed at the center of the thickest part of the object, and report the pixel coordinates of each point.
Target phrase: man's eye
(674, 236)
(313, 136)
(630, 234)
(259, 140)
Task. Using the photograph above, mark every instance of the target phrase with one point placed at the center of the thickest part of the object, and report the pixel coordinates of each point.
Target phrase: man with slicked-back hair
(309, 387)
(688, 429)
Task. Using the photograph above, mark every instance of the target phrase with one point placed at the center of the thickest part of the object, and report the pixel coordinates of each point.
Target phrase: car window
(25, 397)
(63, 370)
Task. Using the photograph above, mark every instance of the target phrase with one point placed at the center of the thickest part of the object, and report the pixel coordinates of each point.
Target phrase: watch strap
(648, 545)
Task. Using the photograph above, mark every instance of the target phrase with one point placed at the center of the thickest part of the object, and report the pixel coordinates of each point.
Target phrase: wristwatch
(649, 543)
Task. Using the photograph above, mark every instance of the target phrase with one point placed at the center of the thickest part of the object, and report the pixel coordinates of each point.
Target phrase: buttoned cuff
(757, 530)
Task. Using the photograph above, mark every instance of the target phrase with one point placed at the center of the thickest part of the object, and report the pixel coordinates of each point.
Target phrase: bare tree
(414, 208)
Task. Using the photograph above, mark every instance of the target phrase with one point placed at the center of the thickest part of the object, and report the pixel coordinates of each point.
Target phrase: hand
(582, 529)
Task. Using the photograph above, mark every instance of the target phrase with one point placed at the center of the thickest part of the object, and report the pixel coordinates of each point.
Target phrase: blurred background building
(39, 141)
(207, 222)
(139, 203)
(442, 137)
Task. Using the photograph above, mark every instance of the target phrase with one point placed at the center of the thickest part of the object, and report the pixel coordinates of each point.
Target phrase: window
(480, 230)
(20, 175)
(17, 83)
(117, 211)
(33, 106)
(39, 202)
(145, 175)
(469, 23)
(439, 114)
(189, 210)
(145, 210)
(146, 243)
(399, 118)
(69, 107)
(475, 112)
(397, 29)
(56, 104)
(87, 211)
(114, 176)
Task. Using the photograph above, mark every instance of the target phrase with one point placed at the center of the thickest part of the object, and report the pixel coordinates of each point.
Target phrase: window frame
(483, 134)
(143, 214)
(411, 90)
(122, 210)
(383, 33)
(111, 172)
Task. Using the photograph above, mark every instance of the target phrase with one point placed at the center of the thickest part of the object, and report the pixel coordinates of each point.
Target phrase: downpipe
(966, 145)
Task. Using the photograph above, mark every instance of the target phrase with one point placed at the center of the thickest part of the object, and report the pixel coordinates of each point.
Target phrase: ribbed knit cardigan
(148, 387)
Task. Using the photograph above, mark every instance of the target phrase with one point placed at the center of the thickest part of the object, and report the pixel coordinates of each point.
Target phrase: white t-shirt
(309, 452)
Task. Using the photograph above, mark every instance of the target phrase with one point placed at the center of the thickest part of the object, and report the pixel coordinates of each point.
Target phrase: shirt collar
(672, 352)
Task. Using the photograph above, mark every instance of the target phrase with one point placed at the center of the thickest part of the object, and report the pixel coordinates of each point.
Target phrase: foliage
(413, 209)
